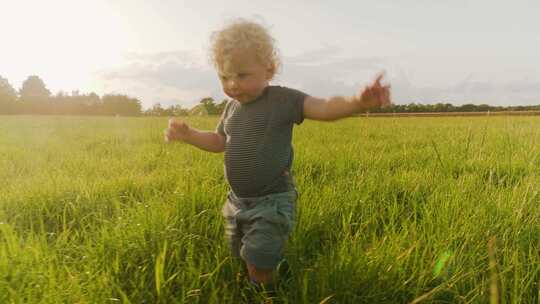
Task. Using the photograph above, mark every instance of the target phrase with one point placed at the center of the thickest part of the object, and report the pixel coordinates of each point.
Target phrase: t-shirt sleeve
(295, 104)
(220, 129)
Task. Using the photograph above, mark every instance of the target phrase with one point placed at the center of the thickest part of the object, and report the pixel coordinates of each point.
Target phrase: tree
(220, 107)
(75, 104)
(34, 89)
(121, 105)
(172, 110)
(199, 110)
(156, 110)
(176, 110)
(8, 97)
(468, 107)
(35, 97)
(209, 105)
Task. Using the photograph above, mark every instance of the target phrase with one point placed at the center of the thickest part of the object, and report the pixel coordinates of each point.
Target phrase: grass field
(391, 210)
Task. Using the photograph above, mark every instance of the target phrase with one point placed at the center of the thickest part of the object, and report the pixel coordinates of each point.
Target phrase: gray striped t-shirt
(258, 149)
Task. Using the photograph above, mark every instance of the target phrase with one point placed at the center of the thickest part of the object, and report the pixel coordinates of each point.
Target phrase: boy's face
(243, 77)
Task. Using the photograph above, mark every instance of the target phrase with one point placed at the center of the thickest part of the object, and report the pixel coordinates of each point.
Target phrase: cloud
(181, 77)
(469, 91)
(185, 77)
(325, 73)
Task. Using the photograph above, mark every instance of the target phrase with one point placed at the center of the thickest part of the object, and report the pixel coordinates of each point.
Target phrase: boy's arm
(372, 97)
(204, 140)
(330, 108)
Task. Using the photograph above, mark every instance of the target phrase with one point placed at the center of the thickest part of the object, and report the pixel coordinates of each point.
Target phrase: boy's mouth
(236, 96)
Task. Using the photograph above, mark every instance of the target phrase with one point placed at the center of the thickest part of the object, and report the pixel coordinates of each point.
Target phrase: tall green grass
(391, 210)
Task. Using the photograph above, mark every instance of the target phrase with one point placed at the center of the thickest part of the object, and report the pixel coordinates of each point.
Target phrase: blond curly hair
(246, 35)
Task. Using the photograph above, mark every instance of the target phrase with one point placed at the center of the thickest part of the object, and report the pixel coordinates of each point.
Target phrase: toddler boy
(255, 132)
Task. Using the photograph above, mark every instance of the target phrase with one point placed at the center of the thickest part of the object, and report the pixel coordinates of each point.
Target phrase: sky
(459, 51)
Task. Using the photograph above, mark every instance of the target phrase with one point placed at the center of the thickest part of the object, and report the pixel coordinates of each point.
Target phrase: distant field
(391, 210)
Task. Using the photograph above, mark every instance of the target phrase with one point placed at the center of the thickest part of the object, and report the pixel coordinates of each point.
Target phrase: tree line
(206, 106)
(448, 107)
(34, 98)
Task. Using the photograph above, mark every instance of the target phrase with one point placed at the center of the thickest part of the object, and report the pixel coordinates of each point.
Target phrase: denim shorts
(257, 228)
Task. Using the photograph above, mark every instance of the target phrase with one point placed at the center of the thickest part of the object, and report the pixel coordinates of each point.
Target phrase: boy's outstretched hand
(177, 130)
(375, 95)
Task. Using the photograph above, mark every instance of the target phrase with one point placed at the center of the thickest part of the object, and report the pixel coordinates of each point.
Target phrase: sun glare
(61, 41)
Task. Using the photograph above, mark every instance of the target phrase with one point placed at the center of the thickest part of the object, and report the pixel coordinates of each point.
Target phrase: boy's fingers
(176, 124)
(378, 94)
(378, 79)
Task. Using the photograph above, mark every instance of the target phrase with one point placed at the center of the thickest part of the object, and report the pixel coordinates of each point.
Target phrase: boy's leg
(262, 276)
(267, 276)
(233, 233)
(262, 280)
(270, 223)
